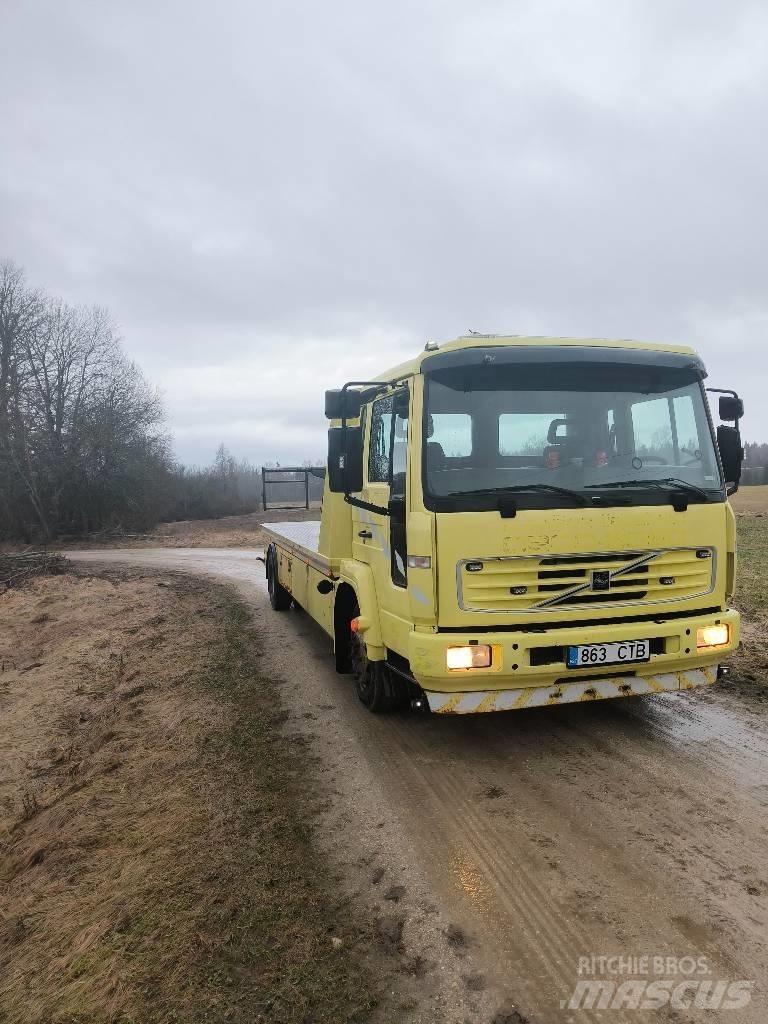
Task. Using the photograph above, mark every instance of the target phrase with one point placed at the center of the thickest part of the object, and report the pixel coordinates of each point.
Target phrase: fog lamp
(713, 636)
(471, 656)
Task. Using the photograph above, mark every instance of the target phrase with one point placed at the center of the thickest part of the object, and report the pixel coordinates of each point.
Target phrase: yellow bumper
(478, 701)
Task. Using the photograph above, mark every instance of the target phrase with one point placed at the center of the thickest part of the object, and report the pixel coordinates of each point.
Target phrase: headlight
(713, 636)
(471, 656)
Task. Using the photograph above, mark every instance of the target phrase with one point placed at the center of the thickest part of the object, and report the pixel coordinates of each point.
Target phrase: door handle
(365, 534)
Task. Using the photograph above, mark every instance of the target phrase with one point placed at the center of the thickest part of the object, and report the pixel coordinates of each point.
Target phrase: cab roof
(470, 341)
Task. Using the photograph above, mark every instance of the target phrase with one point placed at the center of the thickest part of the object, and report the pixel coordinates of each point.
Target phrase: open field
(750, 662)
(751, 500)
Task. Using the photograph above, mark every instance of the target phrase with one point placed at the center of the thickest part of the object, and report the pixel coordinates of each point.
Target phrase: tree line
(755, 455)
(83, 443)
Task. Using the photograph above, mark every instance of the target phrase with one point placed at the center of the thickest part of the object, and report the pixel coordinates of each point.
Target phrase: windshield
(491, 428)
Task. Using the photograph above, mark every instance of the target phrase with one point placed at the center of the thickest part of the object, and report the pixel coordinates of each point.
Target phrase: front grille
(532, 584)
(631, 586)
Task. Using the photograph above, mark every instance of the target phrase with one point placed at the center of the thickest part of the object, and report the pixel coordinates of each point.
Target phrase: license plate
(591, 655)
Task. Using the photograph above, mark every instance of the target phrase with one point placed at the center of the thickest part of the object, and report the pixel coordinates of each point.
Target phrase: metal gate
(292, 486)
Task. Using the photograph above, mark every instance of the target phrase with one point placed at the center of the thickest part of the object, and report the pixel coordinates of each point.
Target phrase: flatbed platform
(302, 540)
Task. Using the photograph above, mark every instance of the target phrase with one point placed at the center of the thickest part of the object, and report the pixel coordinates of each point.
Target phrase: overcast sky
(272, 198)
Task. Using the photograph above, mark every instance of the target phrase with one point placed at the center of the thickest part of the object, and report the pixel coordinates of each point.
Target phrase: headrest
(435, 455)
(552, 436)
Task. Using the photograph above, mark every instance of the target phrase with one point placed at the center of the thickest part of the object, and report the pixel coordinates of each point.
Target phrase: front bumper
(477, 701)
(528, 667)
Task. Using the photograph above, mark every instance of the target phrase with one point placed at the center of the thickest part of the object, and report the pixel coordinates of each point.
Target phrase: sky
(273, 198)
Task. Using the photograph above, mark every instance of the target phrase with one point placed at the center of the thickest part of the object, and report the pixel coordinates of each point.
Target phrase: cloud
(273, 198)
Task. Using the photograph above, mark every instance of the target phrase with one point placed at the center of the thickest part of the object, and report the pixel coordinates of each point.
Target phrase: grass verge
(750, 661)
(309, 951)
(156, 856)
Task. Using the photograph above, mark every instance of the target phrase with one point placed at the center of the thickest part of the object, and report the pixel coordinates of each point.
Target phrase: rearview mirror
(345, 465)
(340, 403)
(731, 455)
(731, 409)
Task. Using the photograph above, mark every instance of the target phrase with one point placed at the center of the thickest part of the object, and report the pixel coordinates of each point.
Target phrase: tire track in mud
(548, 924)
(485, 879)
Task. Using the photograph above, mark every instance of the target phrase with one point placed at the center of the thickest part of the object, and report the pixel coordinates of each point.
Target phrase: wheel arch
(356, 587)
(343, 609)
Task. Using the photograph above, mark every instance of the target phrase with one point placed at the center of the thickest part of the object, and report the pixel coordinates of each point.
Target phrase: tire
(376, 688)
(279, 597)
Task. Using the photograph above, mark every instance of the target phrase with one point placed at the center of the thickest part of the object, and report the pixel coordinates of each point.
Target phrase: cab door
(379, 538)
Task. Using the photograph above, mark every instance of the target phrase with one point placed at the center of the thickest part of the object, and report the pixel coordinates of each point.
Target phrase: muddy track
(633, 828)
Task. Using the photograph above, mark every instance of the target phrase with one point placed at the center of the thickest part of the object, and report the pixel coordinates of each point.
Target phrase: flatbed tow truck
(514, 522)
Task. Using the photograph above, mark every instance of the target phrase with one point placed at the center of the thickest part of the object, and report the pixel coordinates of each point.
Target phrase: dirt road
(529, 840)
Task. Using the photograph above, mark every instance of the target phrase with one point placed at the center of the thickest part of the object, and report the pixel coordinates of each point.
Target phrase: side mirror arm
(733, 394)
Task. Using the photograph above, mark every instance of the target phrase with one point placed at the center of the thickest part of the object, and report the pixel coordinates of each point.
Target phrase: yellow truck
(512, 522)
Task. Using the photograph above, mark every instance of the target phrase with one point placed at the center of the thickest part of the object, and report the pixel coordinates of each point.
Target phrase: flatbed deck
(302, 540)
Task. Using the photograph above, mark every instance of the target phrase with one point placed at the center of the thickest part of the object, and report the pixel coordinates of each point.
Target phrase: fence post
(263, 488)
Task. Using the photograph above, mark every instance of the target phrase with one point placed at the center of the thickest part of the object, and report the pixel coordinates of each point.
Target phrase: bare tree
(81, 438)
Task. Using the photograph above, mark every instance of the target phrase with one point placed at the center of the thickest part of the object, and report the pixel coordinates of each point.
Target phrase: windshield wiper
(665, 483)
(522, 488)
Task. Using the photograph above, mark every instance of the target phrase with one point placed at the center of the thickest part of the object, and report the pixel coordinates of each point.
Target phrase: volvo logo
(601, 579)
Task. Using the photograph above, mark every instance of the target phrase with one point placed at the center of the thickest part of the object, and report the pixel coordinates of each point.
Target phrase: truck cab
(517, 522)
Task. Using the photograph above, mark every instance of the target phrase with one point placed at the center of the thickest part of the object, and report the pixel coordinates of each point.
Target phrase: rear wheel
(279, 597)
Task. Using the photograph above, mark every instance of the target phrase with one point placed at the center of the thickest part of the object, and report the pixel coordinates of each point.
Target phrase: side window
(397, 522)
(453, 432)
(379, 448)
(399, 453)
(685, 422)
(652, 427)
(611, 424)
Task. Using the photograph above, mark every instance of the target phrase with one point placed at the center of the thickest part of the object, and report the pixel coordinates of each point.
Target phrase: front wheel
(375, 686)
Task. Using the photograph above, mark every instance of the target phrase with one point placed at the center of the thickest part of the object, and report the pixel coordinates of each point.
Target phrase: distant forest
(83, 442)
(755, 455)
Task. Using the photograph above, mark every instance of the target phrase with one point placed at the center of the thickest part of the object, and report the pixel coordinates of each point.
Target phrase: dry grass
(228, 532)
(751, 660)
(751, 500)
(750, 663)
(156, 861)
